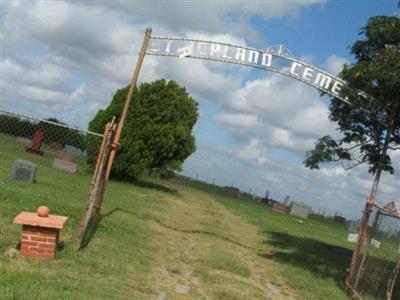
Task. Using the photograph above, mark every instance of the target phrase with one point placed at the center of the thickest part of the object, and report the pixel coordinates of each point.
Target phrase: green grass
(155, 236)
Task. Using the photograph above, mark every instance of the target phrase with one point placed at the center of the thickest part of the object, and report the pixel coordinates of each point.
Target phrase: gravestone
(23, 140)
(279, 208)
(352, 237)
(37, 141)
(24, 170)
(55, 146)
(231, 191)
(65, 156)
(65, 162)
(376, 244)
(73, 150)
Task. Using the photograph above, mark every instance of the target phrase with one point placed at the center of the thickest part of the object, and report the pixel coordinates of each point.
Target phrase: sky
(65, 59)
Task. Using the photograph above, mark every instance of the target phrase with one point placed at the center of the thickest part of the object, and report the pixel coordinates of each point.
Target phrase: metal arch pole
(371, 200)
(132, 89)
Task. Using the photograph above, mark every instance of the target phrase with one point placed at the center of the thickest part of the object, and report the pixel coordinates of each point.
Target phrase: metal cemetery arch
(275, 59)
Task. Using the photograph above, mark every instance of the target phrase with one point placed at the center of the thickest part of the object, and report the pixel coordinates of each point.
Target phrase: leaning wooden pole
(132, 88)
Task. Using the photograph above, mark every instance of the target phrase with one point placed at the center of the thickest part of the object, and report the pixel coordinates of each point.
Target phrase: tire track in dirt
(194, 227)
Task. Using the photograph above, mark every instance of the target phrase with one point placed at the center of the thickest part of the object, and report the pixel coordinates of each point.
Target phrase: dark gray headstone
(24, 170)
(73, 150)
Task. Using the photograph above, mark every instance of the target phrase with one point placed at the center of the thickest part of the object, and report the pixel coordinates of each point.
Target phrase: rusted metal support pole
(371, 200)
(101, 150)
(128, 100)
(360, 241)
(98, 178)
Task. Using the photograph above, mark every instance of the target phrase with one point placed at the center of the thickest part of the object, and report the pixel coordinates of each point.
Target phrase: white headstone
(352, 237)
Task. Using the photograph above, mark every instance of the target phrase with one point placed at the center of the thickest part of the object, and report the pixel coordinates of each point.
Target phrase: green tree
(157, 136)
(367, 131)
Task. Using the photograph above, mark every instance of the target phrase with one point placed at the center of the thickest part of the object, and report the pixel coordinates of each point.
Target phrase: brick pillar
(40, 233)
(39, 242)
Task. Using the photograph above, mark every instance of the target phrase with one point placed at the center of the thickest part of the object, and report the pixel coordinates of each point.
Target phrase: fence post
(360, 241)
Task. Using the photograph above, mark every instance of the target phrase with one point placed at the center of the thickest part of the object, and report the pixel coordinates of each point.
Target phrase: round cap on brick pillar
(43, 211)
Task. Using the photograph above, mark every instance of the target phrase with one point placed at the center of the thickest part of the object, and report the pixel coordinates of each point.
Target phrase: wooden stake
(128, 100)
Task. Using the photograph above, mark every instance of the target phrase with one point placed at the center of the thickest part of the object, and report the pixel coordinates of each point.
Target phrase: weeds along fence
(378, 264)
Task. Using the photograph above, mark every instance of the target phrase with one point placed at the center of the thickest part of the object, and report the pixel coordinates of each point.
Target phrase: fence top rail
(50, 122)
(387, 212)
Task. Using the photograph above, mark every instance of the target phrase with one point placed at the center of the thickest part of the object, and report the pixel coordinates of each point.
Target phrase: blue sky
(65, 59)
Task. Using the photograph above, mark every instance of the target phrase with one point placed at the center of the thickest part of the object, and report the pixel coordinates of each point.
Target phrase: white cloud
(239, 120)
(334, 64)
(213, 17)
(253, 152)
(291, 114)
(334, 171)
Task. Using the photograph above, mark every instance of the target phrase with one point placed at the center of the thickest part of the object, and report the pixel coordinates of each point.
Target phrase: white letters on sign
(267, 60)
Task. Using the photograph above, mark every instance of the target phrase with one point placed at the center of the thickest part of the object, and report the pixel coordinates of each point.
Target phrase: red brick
(29, 243)
(39, 239)
(28, 254)
(43, 230)
(25, 236)
(47, 246)
(48, 234)
(24, 247)
(38, 250)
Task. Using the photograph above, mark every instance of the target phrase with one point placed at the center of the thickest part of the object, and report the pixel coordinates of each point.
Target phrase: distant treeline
(16, 126)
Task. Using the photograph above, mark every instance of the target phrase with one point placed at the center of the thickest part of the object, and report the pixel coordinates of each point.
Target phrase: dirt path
(207, 252)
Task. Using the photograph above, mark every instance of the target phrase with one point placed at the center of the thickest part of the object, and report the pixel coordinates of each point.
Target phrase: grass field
(174, 239)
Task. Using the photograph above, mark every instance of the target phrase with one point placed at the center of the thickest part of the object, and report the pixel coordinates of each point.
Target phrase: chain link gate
(377, 265)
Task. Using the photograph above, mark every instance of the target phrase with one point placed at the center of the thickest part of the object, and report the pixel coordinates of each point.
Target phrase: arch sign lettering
(276, 59)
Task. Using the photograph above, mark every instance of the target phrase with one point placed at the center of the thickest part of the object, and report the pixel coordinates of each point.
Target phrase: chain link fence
(54, 137)
(378, 263)
(72, 162)
(59, 158)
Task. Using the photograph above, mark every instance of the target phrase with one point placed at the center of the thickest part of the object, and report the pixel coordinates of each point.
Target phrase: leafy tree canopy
(372, 123)
(157, 136)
